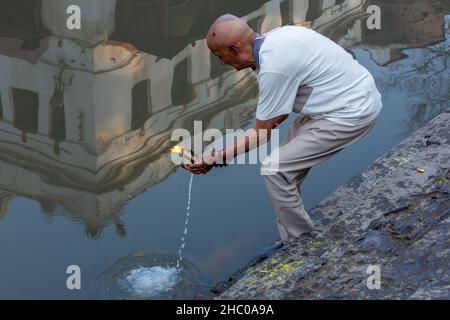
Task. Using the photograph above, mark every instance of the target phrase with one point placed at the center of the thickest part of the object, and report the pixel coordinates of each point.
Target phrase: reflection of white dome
(103, 157)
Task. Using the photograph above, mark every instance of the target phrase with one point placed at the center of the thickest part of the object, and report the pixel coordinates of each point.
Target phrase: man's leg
(309, 142)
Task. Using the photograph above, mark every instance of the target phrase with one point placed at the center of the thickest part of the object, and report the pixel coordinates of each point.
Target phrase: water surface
(85, 124)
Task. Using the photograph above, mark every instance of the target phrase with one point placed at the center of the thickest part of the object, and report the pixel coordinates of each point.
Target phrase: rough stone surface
(392, 216)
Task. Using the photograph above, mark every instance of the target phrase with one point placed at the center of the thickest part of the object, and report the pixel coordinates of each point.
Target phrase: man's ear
(234, 49)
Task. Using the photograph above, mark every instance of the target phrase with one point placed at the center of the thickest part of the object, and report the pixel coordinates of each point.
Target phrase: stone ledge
(391, 215)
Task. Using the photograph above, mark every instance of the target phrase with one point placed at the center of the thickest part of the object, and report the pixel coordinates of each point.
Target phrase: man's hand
(203, 165)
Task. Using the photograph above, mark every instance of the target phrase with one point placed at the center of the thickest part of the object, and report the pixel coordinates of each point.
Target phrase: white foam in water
(150, 282)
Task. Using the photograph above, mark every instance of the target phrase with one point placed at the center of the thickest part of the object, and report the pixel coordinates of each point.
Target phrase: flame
(177, 149)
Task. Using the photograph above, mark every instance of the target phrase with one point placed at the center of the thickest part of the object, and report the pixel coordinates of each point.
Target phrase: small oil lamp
(188, 155)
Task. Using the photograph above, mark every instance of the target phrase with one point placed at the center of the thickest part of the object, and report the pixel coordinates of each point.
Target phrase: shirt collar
(259, 40)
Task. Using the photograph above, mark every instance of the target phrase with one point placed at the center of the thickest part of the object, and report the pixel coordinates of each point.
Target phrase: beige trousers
(308, 143)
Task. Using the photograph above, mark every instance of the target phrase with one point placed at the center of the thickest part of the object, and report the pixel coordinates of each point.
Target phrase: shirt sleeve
(277, 94)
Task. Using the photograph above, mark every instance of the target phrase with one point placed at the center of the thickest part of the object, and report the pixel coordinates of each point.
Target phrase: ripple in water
(149, 276)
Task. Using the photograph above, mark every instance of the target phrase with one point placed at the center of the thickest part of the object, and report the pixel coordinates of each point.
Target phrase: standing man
(299, 71)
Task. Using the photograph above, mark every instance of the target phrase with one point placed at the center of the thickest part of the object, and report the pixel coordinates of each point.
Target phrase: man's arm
(259, 134)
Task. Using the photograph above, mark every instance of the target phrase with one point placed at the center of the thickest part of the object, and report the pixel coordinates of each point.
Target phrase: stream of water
(183, 237)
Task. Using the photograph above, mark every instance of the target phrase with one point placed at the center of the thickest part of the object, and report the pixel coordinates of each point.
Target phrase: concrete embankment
(394, 216)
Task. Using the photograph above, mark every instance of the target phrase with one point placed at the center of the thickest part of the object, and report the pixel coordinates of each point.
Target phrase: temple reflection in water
(86, 115)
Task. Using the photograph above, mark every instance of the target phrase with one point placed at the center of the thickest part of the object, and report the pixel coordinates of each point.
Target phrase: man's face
(230, 56)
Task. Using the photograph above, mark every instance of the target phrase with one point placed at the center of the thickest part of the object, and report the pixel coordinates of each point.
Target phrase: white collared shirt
(299, 70)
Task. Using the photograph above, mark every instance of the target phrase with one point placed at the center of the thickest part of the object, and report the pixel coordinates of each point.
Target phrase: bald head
(228, 29)
(231, 39)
